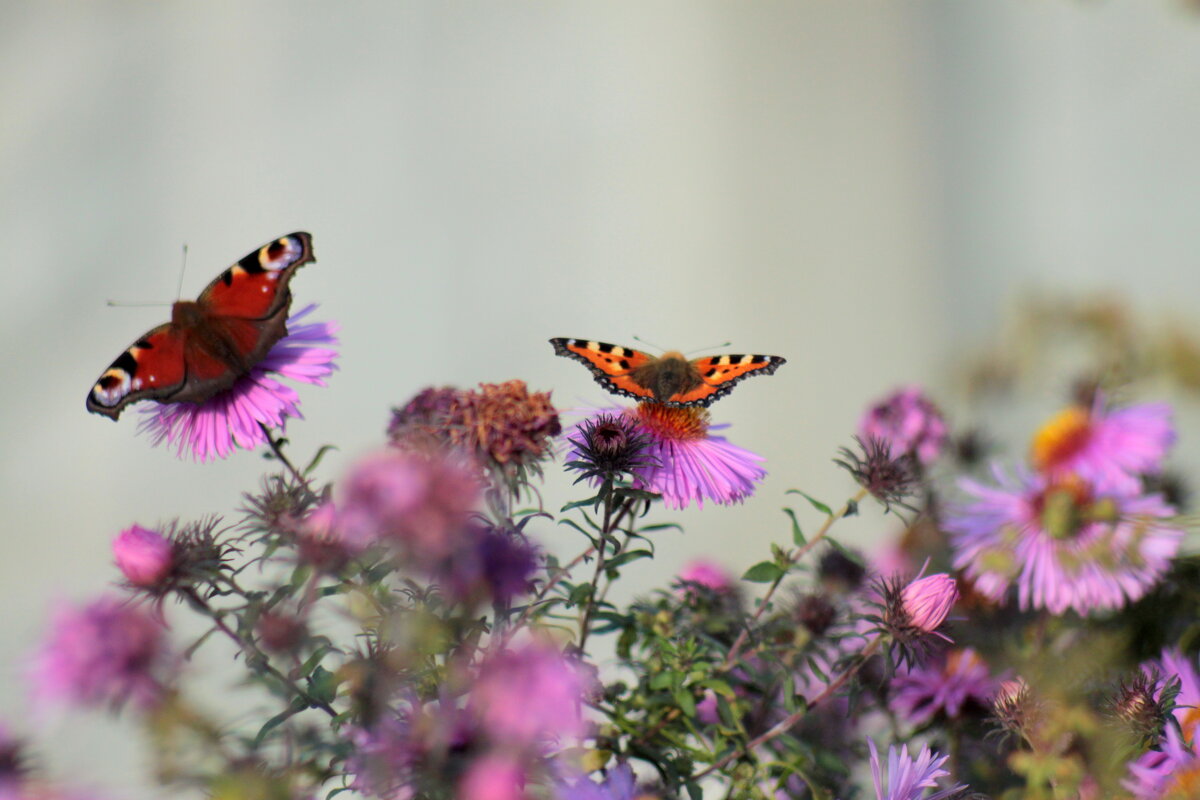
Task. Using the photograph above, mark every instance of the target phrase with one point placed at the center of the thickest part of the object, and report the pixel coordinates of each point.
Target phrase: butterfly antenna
(182, 269)
(709, 347)
(658, 347)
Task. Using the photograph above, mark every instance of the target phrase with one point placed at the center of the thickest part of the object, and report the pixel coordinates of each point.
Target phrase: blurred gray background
(857, 187)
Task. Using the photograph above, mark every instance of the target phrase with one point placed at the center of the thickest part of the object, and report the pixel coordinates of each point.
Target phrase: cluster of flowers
(466, 670)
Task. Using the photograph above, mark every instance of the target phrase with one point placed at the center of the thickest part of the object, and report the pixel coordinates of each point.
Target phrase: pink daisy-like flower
(233, 418)
(942, 686)
(106, 652)
(684, 462)
(908, 777)
(1063, 542)
(1172, 772)
(909, 421)
(1107, 448)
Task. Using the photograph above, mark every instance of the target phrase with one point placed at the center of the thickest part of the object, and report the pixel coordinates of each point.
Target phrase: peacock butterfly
(209, 343)
(670, 379)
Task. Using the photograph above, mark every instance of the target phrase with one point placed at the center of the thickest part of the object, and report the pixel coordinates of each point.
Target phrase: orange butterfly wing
(610, 363)
(721, 373)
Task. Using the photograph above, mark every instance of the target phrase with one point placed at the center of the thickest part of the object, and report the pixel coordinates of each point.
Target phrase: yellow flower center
(1185, 783)
(1060, 438)
(671, 422)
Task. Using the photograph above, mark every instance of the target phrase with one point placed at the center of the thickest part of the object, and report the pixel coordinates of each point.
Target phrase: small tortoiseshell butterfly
(670, 379)
(209, 343)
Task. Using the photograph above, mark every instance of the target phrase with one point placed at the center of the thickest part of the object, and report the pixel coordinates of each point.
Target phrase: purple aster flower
(525, 696)
(106, 652)
(1173, 771)
(909, 421)
(1107, 448)
(619, 785)
(942, 686)
(908, 778)
(683, 461)
(232, 419)
(1063, 543)
(490, 565)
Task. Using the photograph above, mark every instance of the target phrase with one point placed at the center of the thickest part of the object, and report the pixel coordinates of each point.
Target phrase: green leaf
(322, 685)
(591, 501)
(817, 504)
(624, 558)
(797, 535)
(694, 791)
(763, 572)
(274, 722)
(316, 459)
(685, 701)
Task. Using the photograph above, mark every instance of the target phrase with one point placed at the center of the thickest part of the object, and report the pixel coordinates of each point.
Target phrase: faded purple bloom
(12, 764)
(943, 686)
(908, 778)
(145, 557)
(684, 461)
(608, 446)
(421, 503)
(890, 476)
(619, 785)
(385, 757)
(1064, 544)
(706, 574)
(491, 564)
(526, 696)
(493, 777)
(231, 419)
(1107, 448)
(927, 601)
(105, 652)
(909, 421)
(1173, 771)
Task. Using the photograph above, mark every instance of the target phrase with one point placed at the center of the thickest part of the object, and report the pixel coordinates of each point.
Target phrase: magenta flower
(619, 785)
(1064, 544)
(526, 696)
(908, 778)
(682, 460)
(1107, 448)
(421, 503)
(706, 574)
(1173, 771)
(943, 686)
(493, 777)
(106, 652)
(926, 601)
(232, 419)
(909, 421)
(144, 557)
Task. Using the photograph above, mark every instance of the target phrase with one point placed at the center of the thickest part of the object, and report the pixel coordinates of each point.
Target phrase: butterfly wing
(211, 343)
(152, 368)
(719, 374)
(256, 287)
(612, 364)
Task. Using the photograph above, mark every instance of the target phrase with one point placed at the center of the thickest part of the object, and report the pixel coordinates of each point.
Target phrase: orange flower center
(1185, 783)
(1061, 437)
(671, 422)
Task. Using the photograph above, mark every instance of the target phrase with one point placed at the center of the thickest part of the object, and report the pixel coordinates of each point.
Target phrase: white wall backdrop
(852, 186)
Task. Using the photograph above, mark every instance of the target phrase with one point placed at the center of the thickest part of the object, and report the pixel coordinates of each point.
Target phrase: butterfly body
(670, 379)
(212, 341)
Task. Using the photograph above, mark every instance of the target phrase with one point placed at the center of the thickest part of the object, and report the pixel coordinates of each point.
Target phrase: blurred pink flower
(145, 557)
(706, 573)
(525, 696)
(942, 686)
(105, 652)
(493, 777)
(909, 421)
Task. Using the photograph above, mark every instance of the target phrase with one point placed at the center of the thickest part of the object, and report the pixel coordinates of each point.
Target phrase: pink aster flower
(909, 421)
(421, 503)
(233, 418)
(708, 574)
(493, 777)
(1172, 772)
(105, 652)
(1064, 543)
(908, 777)
(1107, 448)
(145, 557)
(525, 696)
(683, 461)
(942, 686)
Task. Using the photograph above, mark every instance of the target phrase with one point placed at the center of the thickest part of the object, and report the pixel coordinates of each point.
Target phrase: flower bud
(928, 600)
(144, 557)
